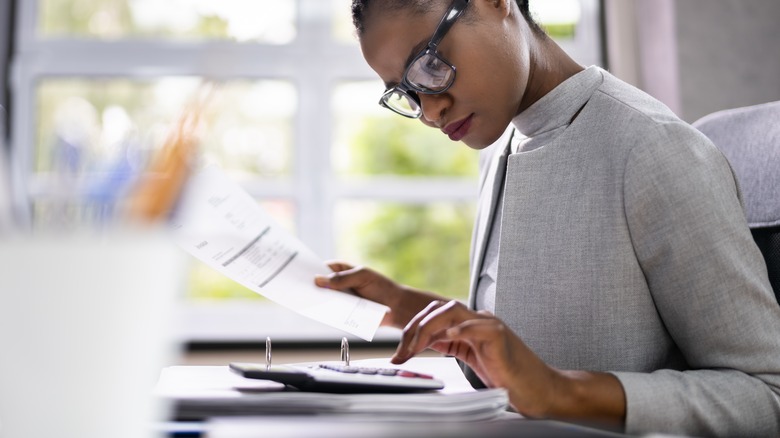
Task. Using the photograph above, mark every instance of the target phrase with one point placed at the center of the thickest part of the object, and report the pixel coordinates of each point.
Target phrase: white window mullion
(26, 29)
(312, 142)
(588, 37)
(405, 189)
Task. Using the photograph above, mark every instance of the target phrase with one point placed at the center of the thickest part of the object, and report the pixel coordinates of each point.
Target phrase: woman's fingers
(343, 277)
(478, 330)
(338, 266)
(404, 302)
(362, 282)
(428, 325)
(498, 356)
(410, 332)
(465, 351)
(477, 338)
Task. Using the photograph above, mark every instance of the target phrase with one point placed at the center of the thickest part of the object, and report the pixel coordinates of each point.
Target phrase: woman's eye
(433, 64)
(428, 73)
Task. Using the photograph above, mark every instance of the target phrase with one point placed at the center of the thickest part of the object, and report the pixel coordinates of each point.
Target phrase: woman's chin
(479, 142)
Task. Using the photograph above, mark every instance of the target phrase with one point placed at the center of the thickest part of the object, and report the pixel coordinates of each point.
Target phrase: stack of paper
(205, 392)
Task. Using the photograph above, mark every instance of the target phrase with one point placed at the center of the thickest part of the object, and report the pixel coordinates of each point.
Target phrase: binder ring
(267, 353)
(345, 351)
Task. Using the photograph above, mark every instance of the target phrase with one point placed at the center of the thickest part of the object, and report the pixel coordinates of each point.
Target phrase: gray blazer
(624, 248)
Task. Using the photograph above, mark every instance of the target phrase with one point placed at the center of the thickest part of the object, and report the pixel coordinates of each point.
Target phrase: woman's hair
(360, 8)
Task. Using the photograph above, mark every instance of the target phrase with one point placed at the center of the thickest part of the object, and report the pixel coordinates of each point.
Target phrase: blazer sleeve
(709, 284)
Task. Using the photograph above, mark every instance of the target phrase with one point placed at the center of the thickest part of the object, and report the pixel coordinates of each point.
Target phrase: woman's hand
(490, 348)
(404, 302)
(501, 359)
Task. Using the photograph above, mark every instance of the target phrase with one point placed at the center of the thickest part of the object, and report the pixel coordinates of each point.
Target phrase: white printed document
(220, 224)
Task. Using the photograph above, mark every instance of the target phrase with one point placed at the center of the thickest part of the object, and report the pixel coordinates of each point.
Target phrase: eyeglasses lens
(402, 103)
(430, 73)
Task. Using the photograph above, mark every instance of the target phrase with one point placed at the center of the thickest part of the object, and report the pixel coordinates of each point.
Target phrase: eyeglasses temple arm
(456, 10)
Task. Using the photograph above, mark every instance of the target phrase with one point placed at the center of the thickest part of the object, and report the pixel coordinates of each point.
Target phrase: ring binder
(344, 352)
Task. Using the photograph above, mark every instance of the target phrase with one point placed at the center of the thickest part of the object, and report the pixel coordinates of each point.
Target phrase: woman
(614, 277)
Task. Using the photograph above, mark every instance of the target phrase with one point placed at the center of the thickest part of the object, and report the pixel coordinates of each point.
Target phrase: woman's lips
(457, 130)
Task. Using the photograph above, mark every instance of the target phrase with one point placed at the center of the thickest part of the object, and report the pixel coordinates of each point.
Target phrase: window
(294, 119)
(574, 24)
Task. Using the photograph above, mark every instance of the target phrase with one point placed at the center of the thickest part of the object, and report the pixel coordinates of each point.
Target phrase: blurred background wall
(729, 53)
(5, 46)
(698, 56)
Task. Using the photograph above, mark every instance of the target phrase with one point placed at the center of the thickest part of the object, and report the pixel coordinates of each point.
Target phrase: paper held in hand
(220, 224)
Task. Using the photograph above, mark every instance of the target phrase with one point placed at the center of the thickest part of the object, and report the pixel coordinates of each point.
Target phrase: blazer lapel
(489, 192)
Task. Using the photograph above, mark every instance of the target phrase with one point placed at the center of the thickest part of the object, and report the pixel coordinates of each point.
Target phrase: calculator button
(387, 372)
(341, 368)
(371, 371)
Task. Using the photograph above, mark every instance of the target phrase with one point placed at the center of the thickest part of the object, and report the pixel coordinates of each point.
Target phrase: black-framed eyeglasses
(428, 73)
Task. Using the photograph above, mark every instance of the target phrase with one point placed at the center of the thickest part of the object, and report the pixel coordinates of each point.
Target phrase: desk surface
(306, 427)
(258, 412)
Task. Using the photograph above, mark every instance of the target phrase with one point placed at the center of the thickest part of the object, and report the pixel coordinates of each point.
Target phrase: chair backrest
(749, 137)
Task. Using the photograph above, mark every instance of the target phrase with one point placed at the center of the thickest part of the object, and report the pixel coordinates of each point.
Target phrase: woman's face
(489, 54)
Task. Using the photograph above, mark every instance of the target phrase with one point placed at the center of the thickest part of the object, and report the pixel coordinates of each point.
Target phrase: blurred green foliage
(57, 17)
(560, 31)
(424, 246)
(113, 19)
(397, 146)
(207, 284)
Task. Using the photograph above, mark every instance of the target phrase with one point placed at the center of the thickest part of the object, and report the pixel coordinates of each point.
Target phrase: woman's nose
(434, 107)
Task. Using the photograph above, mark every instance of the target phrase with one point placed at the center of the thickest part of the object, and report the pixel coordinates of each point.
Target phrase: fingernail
(321, 281)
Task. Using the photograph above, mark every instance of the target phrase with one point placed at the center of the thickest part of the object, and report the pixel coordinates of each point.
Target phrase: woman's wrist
(588, 396)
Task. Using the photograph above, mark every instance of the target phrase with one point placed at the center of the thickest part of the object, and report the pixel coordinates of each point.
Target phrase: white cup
(84, 332)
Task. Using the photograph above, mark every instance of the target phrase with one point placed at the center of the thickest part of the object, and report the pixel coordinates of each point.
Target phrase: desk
(330, 427)
(234, 407)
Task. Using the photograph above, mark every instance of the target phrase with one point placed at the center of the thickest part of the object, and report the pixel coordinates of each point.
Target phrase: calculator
(340, 378)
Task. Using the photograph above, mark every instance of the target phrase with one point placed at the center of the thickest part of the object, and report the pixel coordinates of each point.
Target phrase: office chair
(749, 137)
